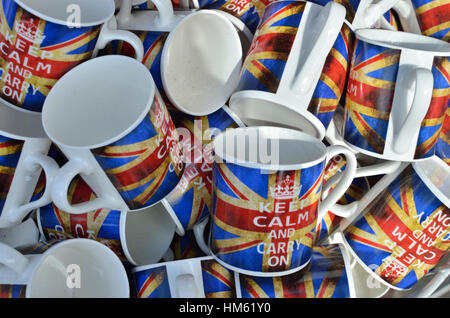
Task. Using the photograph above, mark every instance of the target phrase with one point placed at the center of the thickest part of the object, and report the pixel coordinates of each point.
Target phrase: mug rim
(403, 41)
(63, 22)
(275, 132)
(138, 269)
(105, 63)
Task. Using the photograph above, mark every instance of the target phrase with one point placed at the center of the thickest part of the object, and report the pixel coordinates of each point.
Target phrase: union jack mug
(403, 223)
(202, 49)
(295, 71)
(327, 276)
(41, 41)
(191, 200)
(266, 198)
(140, 238)
(124, 145)
(76, 268)
(397, 95)
(190, 278)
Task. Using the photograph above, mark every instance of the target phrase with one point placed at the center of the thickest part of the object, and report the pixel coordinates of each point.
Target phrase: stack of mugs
(224, 148)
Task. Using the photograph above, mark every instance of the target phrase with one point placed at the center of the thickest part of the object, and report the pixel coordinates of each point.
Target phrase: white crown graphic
(285, 189)
(30, 32)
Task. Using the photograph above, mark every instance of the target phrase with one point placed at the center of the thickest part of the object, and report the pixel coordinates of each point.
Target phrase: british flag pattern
(267, 57)
(191, 199)
(101, 225)
(145, 165)
(12, 291)
(324, 277)
(443, 144)
(403, 232)
(433, 17)
(36, 53)
(264, 222)
(370, 95)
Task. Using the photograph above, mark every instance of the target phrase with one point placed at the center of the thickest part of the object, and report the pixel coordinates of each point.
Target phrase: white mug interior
(201, 62)
(101, 273)
(98, 102)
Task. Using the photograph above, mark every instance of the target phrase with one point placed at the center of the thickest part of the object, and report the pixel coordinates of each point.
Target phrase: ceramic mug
(203, 49)
(133, 159)
(284, 65)
(49, 270)
(140, 238)
(402, 230)
(397, 95)
(190, 278)
(266, 198)
(43, 40)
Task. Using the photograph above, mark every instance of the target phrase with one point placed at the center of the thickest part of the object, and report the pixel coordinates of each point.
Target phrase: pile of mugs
(224, 148)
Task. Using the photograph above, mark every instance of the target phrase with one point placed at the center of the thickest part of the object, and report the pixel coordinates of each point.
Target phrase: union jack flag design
(404, 232)
(153, 45)
(443, 144)
(355, 192)
(324, 277)
(264, 222)
(149, 5)
(35, 53)
(10, 151)
(218, 282)
(370, 93)
(191, 199)
(333, 79)
(12, 291)
(267, 57)
(433, 17)
(145, 165)
(152, 283)
(432, 124)
(101, 225)
(244, 10)
(185, 247)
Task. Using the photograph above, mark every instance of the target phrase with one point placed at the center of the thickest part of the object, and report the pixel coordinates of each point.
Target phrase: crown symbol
(30, 32)
(285, 189)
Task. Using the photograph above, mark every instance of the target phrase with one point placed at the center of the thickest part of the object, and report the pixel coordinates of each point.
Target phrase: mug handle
(163, 19)
(13, 259)
(199, 232)
(330, 23)
(423, 92)
(185, 280)
(343, 184)
(61, 185)
(372, 12)
(31, 164)
(110, 33)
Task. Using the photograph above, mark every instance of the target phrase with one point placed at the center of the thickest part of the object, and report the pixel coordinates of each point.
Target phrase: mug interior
(101, 274)
(147, 234)
(89, 12)
(404, 40)
(269, 148)
(201, 62)
(98, 102)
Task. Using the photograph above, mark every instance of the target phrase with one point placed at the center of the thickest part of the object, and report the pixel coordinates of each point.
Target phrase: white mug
(20, 236)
